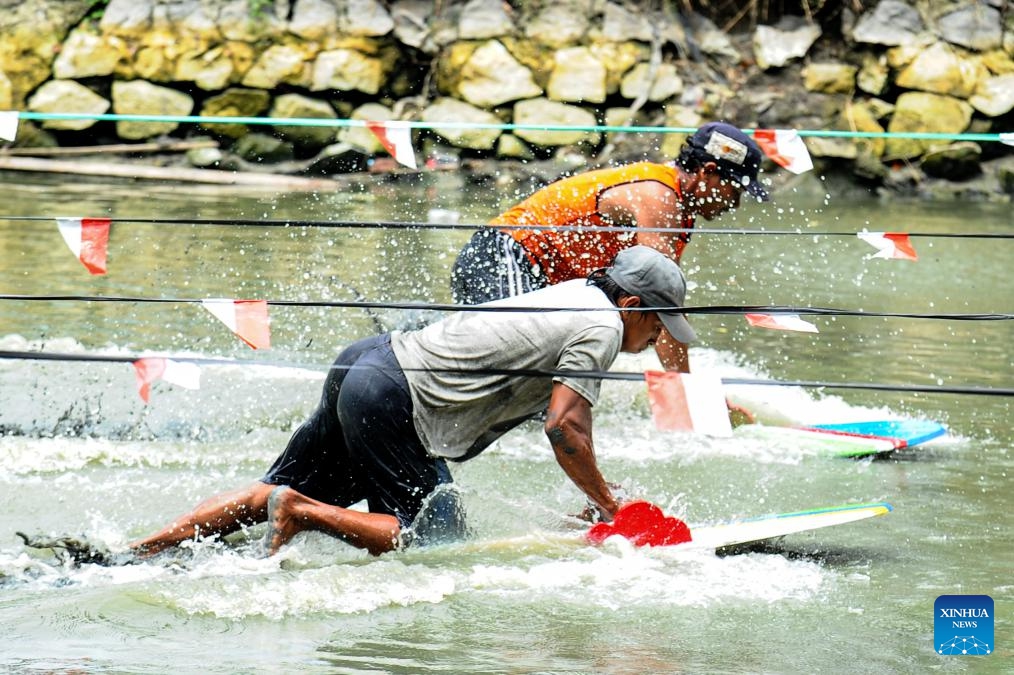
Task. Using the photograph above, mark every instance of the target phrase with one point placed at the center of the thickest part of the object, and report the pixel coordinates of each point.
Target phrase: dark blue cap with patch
(737, 155)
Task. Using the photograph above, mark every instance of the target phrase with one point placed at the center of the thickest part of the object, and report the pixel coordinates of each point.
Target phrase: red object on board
(644, 524)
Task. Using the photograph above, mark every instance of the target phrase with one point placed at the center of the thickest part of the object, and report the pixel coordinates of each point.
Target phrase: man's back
(453, 410)
(574, 202)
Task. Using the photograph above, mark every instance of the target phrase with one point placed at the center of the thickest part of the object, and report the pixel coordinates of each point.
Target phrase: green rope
(412, 124)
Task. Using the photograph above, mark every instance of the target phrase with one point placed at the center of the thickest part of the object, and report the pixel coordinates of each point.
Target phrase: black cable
(529, 372)
(712, 309)
(391, 224)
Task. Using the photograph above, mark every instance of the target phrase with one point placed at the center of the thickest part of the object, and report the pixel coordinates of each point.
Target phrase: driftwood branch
(116, 149)
(179, 174)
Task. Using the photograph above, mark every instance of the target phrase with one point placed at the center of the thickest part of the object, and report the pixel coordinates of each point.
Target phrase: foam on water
(23, 455)
(619, 574)
(302, 581)
(34, 573)
(608, 578)
(337, 589)
(640, 443)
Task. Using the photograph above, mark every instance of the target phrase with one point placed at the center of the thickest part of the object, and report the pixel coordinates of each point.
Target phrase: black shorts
(361, 442)
(491, 266)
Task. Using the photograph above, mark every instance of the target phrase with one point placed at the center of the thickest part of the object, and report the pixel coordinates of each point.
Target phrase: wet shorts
(361, 443)
(491, 266)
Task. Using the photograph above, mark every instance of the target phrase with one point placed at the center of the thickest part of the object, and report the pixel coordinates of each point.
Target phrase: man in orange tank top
(516, 254)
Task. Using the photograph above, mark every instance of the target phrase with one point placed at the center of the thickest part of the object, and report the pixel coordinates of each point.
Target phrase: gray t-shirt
(457, 414)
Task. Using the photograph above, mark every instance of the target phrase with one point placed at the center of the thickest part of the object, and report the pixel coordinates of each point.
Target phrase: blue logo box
(963, 625)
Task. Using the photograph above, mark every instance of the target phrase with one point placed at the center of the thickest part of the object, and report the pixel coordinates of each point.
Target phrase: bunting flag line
(88, 239)
(781, 322)
(148, 370)
(396, 137)
(891, 245)
(8, 125)
(688, 402)
(248, 319)
(785, 147)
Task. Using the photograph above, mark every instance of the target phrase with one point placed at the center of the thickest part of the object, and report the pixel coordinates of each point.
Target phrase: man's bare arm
(569, 428)
(672, 353)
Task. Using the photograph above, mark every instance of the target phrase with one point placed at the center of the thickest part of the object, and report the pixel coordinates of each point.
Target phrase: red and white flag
(148, 370)
(248, 319)
(8, 125)
(891, 245)
(88, 239)
(688, 402)
(781, 322)
(785, 148)
(396, 137)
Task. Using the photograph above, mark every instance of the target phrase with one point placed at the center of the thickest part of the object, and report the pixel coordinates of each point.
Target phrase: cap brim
(754, 187)
(758, 191)
(678, 327)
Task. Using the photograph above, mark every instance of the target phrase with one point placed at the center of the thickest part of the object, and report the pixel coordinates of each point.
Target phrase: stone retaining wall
(900, 66)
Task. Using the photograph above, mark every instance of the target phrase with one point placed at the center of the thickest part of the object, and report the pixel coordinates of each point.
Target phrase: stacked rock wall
(900, 66)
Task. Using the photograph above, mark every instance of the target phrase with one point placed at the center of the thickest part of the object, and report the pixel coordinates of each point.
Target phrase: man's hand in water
(593, 514)
(738, 415)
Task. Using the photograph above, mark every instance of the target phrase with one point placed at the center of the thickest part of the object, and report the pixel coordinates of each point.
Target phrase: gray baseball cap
(658, 281)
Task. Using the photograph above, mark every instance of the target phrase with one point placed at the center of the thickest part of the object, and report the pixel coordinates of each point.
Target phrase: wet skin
(713, 195)
(640, 329)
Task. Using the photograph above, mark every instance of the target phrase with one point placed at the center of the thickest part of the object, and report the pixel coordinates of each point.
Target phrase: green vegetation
(257, 7)
(98, 10)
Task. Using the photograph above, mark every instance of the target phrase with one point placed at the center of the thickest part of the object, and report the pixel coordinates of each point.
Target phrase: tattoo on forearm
(557, 438)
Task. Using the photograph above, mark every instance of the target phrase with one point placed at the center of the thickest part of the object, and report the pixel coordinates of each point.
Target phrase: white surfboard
(781, 524)
(710, 536)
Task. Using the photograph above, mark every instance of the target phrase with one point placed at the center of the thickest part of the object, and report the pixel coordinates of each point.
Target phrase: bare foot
(281, 526)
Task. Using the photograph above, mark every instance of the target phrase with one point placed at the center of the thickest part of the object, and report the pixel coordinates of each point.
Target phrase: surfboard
(856, 440)
(752, 530)
(714, 536)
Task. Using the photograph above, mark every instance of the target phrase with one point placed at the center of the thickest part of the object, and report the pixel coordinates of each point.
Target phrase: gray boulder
(139, 97)
(543, 112)
(974, 25)
(892, 23)
(297, 106)
(775, 46)
(484, 19)
(62, 95)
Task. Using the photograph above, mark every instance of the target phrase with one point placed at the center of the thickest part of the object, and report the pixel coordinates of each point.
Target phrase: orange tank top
(574, 202)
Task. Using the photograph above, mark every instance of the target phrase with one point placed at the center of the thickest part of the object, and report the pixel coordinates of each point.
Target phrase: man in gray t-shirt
(396, 407)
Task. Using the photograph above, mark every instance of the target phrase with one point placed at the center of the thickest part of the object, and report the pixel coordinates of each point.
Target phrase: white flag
(8, 124)
(688, 402)
(248, 319)
(396, 137)
(148, 370)
(889, 245)
(785, 148)
(88, 240)
(781, 322)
